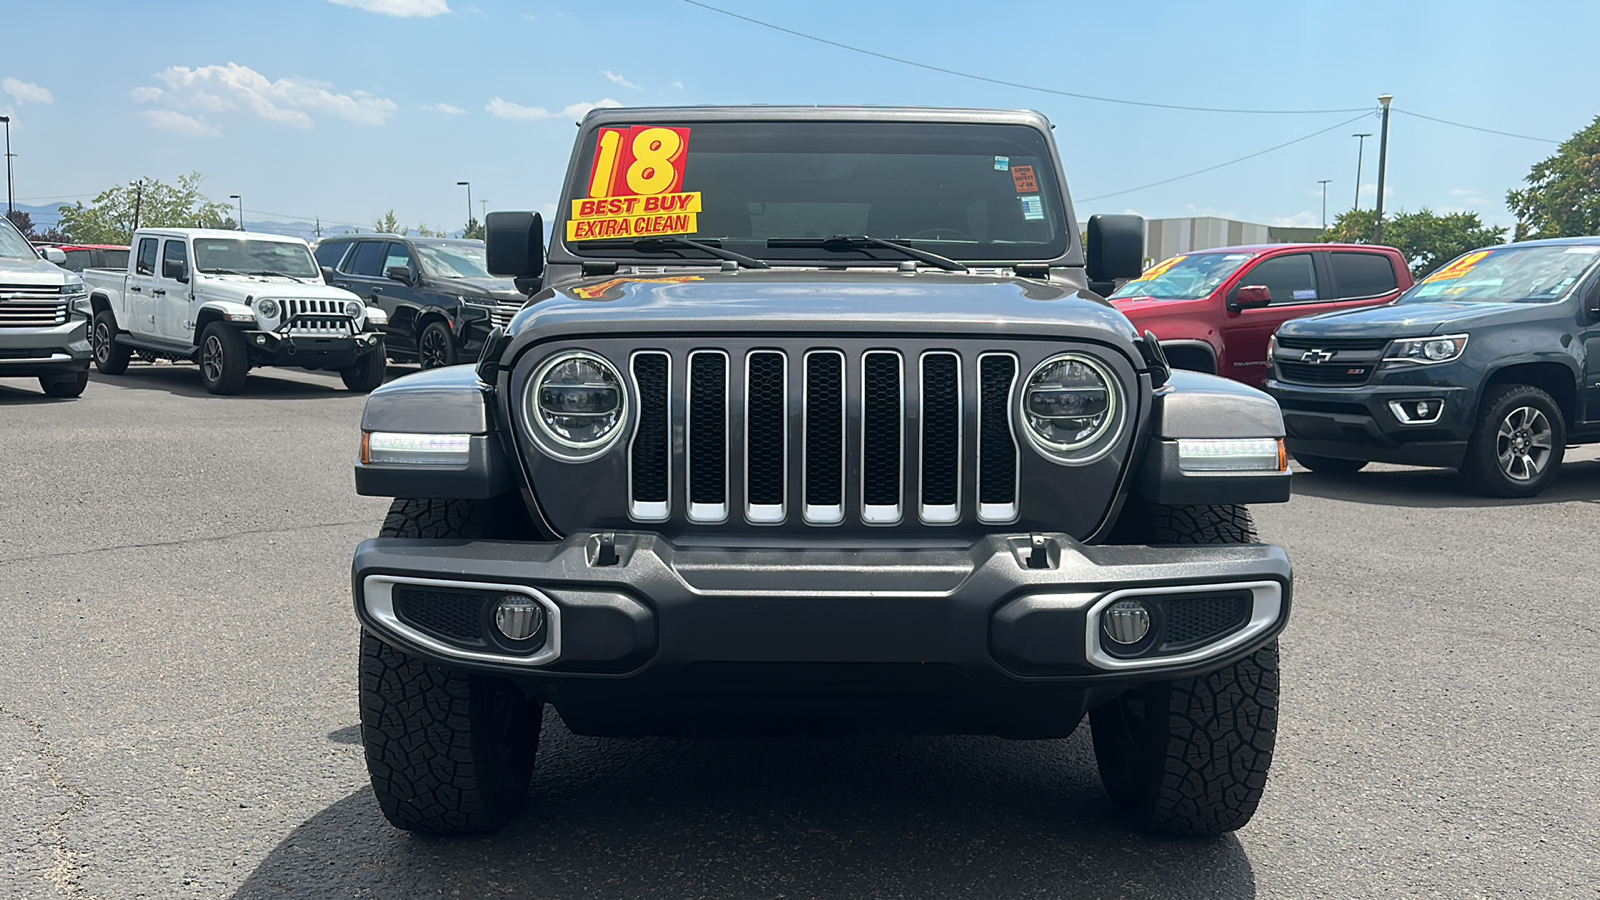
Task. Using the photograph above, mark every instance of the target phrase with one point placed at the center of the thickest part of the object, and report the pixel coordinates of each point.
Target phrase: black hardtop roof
(373, 235)
(612, 114)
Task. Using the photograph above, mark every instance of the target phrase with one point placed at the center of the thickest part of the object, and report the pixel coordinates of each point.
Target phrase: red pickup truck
(1213, 310)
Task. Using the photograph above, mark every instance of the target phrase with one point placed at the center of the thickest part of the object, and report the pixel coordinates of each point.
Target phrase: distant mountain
(46, 215)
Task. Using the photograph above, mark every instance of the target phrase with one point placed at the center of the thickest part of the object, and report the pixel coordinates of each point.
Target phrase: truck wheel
(367, 374)
(1518, 442)
(435, 346)
(224, 360)
(448, 753)
(110, 358)
(65, 385)
(1190, 756)
(1330, 465)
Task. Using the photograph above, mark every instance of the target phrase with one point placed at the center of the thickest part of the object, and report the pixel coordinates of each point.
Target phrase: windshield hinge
(1032, 270)
(599, 268)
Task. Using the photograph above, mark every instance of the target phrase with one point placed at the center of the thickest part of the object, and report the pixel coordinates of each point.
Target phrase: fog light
(261, 340)
(1417, 412)
(1126, 621)
(518, 617)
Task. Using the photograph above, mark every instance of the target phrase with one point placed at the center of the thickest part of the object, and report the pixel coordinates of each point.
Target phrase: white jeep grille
(322, 318)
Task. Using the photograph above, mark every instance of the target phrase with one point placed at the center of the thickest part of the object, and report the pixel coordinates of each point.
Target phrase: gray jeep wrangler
(814, 423)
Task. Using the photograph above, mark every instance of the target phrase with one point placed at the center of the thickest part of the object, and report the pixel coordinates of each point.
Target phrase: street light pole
(1360, 146)
(1324, 183)
(11, 193)
(1383, 159)
(468, 186)
(241, 209)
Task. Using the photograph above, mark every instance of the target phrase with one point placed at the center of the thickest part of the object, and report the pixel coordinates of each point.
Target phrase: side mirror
(514, 242)
(401, 274)
(175, 270)
(328, 274)
(1252, 296)
(1591, 301)
(1115, 248)
(54, 254)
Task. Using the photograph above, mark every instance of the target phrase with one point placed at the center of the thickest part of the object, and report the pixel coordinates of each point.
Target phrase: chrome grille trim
(650, 510)
(942, 513)
(766, 513)
(31, 313)
(883, 513)
(822, 513)
(706, 511)
(326, 318)
(999, 512)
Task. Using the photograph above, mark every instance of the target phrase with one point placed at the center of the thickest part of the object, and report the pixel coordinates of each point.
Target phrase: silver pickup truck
(44, 318)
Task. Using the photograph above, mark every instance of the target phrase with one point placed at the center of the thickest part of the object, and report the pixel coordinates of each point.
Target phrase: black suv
(815, 425)
(441, 300)
(1490, 365)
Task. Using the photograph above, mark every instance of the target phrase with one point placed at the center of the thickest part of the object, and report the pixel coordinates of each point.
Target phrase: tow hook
(605, 550)
(1039, 558)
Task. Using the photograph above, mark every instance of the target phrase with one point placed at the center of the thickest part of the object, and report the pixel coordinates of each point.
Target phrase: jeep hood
(238, 288)
(1412, 319)
(823, 302)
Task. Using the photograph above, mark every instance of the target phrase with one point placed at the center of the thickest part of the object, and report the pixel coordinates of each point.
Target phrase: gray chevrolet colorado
(812, 423)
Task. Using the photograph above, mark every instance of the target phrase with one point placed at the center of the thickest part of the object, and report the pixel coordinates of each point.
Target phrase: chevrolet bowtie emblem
(1316, 357)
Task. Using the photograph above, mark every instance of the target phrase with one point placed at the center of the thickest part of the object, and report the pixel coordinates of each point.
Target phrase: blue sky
(345, 109)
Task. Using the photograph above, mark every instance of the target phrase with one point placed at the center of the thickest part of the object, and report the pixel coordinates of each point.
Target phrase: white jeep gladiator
(231, 300)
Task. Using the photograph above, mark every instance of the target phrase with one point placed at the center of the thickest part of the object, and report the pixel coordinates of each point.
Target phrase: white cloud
(678, 85)
(404, 9)
(178, 123)
(530, 17)
(444, 108)
(614, 78)
(505, 109)
(24, 92)
(287, 101)
(1304, 219)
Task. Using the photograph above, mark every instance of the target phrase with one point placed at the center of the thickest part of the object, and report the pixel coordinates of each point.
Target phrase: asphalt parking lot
(178, 709)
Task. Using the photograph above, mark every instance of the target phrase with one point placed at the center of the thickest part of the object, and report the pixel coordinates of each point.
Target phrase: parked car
(44, 329)
(441, 300)
(90, 256)
(231, 300)
(1490, 365)
(1213, 310)
(828, 439)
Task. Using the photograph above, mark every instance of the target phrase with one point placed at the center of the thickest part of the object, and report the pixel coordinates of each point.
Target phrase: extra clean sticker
(635, 186)
(1159, 269)
(1460, 267)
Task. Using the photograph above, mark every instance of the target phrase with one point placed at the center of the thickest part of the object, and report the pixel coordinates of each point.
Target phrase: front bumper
(49, 350)
(279, 348)
(999, 637)
(1358, 422)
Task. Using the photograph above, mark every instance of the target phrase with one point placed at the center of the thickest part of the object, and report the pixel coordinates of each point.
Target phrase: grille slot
(1333, 372)
(456, 616)
(707, 436)
(941, 439)
(649, 467)
(502, 313)
(766, 437)
(1350, 344)
(882, 437)
(324, 318)
(31, 314)
(997, 448)
(1192, 621)
(824, 437)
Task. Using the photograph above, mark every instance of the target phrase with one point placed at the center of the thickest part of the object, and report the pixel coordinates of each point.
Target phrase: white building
(1165, 238)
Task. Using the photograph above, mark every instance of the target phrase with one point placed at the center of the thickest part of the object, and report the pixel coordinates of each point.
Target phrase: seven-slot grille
(322, 318)
(804, 424)
(31, 306)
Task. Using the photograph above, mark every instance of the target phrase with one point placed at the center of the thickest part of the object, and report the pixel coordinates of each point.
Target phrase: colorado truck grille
(823, 437)
(318, 318)
(31, 313)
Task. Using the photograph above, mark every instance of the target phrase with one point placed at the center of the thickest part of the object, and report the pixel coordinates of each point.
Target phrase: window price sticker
(1460, 267)
(635, 186)
(1159, 269)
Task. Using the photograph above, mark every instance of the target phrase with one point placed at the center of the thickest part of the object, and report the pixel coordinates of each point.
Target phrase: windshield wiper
(857, 241)
(223, 272)
(293, 278)
(664, 243)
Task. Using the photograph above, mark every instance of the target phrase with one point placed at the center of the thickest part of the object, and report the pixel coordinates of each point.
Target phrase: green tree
(425, 231)
(110, 219)
(388, 224)
(474, 230)
(24, 223)
(1426, 239)
(1563, 193)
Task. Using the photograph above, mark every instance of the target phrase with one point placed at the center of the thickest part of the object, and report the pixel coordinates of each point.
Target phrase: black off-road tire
(448, 752)
(367, 374)
(436, 346)
(1190, 756)
(1484, 468)
(1330, 465)
(110, 358)
(65, 386)
(224, 359)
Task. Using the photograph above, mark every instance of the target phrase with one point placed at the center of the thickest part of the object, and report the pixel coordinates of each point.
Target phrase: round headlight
(1069, 403)
(267, 309)
(353, 309)
(577, 400)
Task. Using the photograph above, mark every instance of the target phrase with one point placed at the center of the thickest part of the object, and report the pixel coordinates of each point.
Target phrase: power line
(1526, 137)
(1220, 165)
(1014, 84)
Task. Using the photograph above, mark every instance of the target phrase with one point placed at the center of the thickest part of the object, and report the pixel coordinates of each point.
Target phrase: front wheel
(1517, 444)
(224, 359)
(436, 347)
(367, 374)
(65, 386)
(110, 358)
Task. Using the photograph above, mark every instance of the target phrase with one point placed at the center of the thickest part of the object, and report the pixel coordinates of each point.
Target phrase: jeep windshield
(1183, 277)
(1511, 274)
(969, 192)
(241, 256)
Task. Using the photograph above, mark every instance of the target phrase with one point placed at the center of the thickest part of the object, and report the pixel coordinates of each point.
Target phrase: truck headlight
(577, 401)
(353, 309)
(1426, 351)
(267, 308)
(1070, 403)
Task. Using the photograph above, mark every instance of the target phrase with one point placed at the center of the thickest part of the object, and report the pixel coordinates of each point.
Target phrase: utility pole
(241, 209)
(319, 228)
(11, 190)
(1360, 146)
(1324, 183)
(1383, 158)
(138, 202)
(468, 186)
(483, 206)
